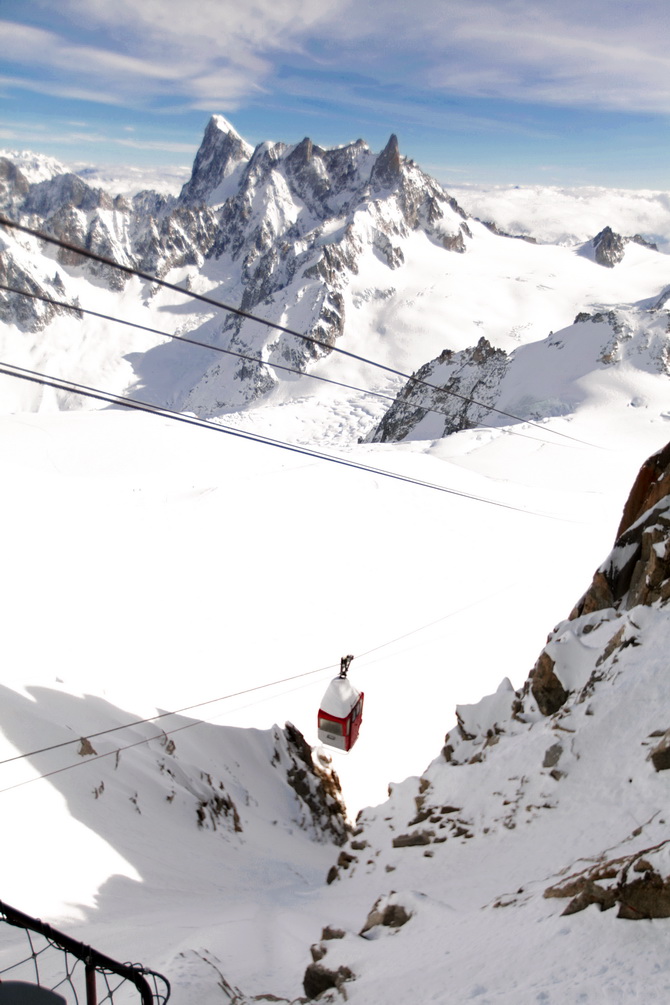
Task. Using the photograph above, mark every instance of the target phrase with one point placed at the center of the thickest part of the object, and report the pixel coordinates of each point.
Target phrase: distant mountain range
(359, 251)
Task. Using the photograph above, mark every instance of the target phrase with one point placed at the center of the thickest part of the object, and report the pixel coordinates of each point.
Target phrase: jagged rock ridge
(483, 385)
(609, 247)
(287, 224)
(561, 782)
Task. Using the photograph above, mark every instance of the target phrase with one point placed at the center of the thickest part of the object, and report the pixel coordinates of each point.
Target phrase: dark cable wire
(10, 370)
(138, 743)
(196, 342)
(237, 694)
(162, 715)
(251, 359)
(220, 305)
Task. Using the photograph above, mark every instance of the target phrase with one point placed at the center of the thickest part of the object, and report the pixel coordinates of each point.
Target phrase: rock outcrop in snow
(455, 390)
(561, 784)
(483, 385)
(609, 247)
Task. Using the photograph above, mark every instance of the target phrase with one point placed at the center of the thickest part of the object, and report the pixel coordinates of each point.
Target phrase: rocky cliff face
(545, 800)
(454, 391)
(486, 386)
(285, 226)
(609, 248)
(221, 153)
(287, 232)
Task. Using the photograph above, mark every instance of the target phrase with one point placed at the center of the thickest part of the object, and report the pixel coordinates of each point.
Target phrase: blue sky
(483, 91)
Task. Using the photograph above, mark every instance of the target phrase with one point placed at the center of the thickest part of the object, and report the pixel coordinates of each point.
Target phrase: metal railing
(81, 975)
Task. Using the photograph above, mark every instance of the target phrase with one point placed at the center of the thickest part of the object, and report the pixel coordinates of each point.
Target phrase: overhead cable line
(198, 722)
(196, 342)
(431, 624)
(107, 753)
(236, 694)
(220, 305)
(250, 359)
(163, 715)
(21, 373)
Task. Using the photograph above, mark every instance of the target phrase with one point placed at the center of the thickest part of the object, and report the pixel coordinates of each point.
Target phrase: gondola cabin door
(340, 714)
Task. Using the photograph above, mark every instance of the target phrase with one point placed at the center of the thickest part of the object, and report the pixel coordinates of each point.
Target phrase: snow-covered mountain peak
(34, 167)
(608, 248)
(570, 369)
(223, 125)
(219, 159)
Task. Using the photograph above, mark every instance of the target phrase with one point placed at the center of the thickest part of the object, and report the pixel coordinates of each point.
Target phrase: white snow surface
(149, 566)
(35, 167)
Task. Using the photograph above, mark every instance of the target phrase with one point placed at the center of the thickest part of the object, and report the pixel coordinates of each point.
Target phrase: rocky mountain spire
(386, 170)
(609, 248)
(221, 150)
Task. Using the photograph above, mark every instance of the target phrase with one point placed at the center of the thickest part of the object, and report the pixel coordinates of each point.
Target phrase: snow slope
(150, 567)
(480, 869)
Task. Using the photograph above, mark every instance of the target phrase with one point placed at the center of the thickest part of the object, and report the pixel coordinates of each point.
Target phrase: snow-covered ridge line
(350, 247)
(544, 802)
(485, 385)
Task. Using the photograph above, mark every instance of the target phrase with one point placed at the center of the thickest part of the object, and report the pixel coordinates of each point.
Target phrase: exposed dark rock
(317, 952)
(638, 569)
(609, 248)
(458, 385)
(416, 838)
(454, 242)
(329, 933)
(649, 486)
(333, 874)
(386, 170)
(660, 755)
(219, 153)
(639, 239)
(552, 756)
(64, 190)
(14, 185)
(386, 912)
(318, 789)
(319, 978)
(646, 895)
(26, 313)
(495, 229)
(545, 686)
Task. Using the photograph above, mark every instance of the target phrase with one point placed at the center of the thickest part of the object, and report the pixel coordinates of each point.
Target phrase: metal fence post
(91, 993)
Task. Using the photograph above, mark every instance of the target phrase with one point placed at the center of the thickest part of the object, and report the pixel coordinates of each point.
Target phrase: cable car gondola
(341, 710)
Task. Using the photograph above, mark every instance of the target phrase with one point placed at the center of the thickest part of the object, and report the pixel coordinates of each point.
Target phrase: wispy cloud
(219, 54)
(80, 135)
(164, 145)
(58, 90)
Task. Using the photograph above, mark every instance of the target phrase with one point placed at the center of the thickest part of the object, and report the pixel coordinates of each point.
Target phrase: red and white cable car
(341, 710)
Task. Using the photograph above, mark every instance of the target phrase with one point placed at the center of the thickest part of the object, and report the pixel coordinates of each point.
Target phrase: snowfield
(150, 567)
